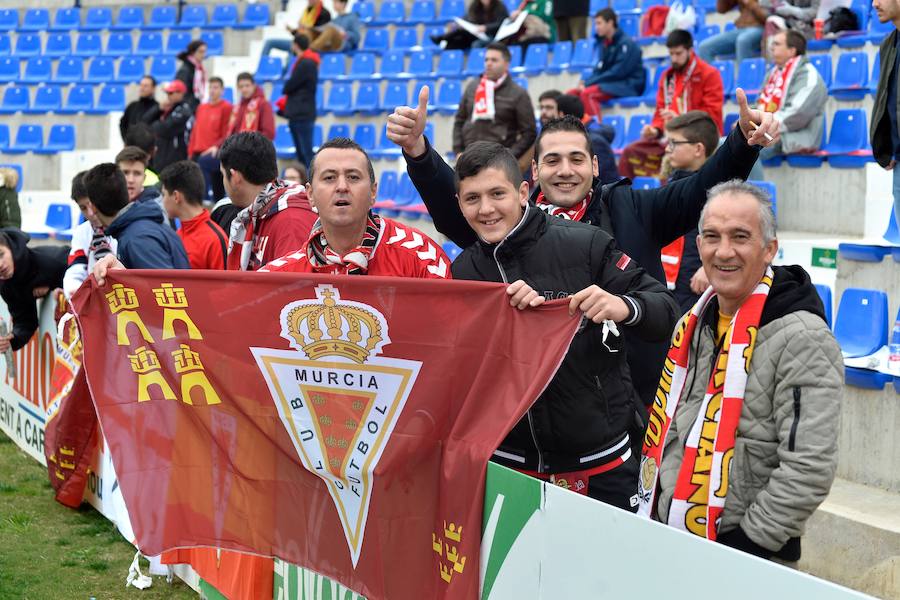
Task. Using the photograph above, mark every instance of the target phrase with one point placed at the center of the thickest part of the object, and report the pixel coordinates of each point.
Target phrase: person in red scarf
(689, 84)
(350, 239)
(300, 97)
(192, 72)
(253, 112)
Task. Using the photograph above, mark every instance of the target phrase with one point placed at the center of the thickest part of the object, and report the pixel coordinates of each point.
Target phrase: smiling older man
(742, 442)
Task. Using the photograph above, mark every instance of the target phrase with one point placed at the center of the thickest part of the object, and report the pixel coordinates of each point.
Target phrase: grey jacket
(785, 452)
(802, 112)
(880, 127)
(513, 124)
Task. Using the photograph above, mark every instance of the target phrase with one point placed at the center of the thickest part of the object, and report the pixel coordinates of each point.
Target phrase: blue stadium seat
(522, 81)
(47, 99)
(66, 20)
(9, 19)
(364, 10)
(9, 69)
(631, 25)
(582, 55)
(617, 122)
(192, 16)
(58, 44)
(223, 15)
(892, 233)
(60, 139)
(561, 57)
(332, 66)
(87, 45)
(406, 191)
(813, 160)
(726, 70)
(730, 120)
(59, 217)
(69, 70)
(649, 97)
(364, 135)
(129, 17)
(434, 30)
(396, 93)
(750, 75)
(35, 19)
(79, 99)
(771, 190)
(29, 137)
(362, 66)
(4, 142)
(339, 99)
(851, 76)
(318, 137)
(112, 99)
(848, 144)
(177, 41)
(423, 11)
(5, 45)
(393, 64)
(825, 295)
(450, 63)
(15, 99)
(705, 32)
(163, 68)
(131, 69)
(366, 100)
(451, 250)
(861, 326)
(474, 63)
(865, 378)
(417, 87)
(822, 63)
(876, 73)
(150, 43)
(338, 130)
(97, 19)
(386, 148)
(449, 96)
(215, 42)
(37, 70)
(535, 61)
(27, 45)
(635, 124)
(451, 9)
(163, 17)
(390, 12)
(320, 98)
(376, 39)
(255, 15)
(645, 183)
(863, 252)
(275, 93)
(284, 142)
(228, 95)
(406, 37)
(421, 63)
(119, 44)
(270, 68)
(101, 70)
(387, 186)
(515, 56)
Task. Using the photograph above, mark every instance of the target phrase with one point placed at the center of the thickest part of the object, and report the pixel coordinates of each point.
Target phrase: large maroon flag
(339, 423)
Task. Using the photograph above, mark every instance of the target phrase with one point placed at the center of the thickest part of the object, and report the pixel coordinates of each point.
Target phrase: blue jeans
(284, 45)
(897, 194)
(302, 134)
(744, 42)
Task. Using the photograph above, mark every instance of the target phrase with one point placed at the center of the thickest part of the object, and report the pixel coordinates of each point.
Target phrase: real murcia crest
(338, 400)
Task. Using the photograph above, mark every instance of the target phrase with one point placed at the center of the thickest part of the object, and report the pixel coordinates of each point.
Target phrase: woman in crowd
(192, 73)
(486, 15)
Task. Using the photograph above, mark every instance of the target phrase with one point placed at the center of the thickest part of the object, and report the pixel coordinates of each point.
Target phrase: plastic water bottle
(894, 348)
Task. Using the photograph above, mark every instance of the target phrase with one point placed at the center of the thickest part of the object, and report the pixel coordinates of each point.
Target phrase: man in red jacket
(275, 217)
(183, 189)
(689, 84)
(350, 239)
(210, 129)
(253, 112)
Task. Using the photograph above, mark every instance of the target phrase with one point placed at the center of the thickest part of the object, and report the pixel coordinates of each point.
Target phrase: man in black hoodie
(641, 221)
(136, 110)
(25, 274)
(577, 432)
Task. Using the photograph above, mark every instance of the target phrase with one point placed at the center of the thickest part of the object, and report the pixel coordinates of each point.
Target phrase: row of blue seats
(30, 138)
(79, 99)
(861, 327)
(875, 252)
(132, 17)
(364, 134)
(149, 43)
(101, 69)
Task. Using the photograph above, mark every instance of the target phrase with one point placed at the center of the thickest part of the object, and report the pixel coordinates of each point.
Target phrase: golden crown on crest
(330, 328)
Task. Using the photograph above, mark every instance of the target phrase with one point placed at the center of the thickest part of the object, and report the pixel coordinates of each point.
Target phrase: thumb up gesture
(406, 125)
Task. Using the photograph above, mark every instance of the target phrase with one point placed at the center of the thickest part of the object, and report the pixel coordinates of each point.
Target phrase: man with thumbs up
(495, 108)
(641, 221)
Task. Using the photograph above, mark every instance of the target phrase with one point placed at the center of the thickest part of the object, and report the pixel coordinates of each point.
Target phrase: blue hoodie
(144, 242)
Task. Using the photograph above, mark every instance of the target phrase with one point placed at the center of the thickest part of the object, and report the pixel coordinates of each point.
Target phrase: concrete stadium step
(854, 537)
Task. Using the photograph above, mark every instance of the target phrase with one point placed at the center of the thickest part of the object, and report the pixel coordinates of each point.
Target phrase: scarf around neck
(483, 105)
(776, 86)
(572, 213)
(245, 226)
(199, 84)
(356, 262)
(676, 88)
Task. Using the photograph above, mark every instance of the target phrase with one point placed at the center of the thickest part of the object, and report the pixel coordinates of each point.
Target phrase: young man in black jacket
(567, 185)
(300, 90)
(171, 125)
(577, 433)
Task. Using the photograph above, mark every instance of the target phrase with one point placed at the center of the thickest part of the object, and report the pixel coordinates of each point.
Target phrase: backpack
(654, 21)
(681, 16)
(841, 19)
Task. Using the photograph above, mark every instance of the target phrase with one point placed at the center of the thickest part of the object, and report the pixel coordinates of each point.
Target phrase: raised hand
(406, 125)
(765, 123)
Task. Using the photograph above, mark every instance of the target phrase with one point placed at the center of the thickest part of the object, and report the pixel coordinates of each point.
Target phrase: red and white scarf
(273, 198)
(676, 88)
(702, 485)
(573, 213)
(776, 86)
(199, 85)
(483, 106)
(356, 262)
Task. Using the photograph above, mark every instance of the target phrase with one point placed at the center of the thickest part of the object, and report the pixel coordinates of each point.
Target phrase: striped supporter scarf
(702, 484)
(572, 213)
(356, 262)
